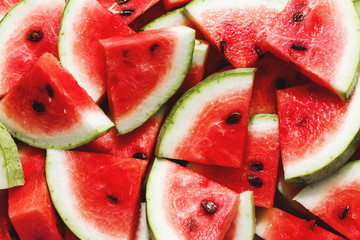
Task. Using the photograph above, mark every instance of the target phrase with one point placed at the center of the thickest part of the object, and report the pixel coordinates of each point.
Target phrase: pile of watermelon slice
(179, 119)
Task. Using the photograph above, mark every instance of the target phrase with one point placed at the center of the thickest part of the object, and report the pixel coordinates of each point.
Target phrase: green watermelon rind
(169, 19)
(180, 117)
(11, 165)
(172, 81)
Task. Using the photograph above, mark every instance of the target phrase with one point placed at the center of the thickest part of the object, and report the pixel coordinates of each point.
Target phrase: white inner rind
(171, 82)
(143, 229)
(3, 172)
(263, 123)
(63, 197)
(91, 124)
(201, 50)
(314, 194)
(181, 119)
(170, 19)
(337, 143)
(155, 191)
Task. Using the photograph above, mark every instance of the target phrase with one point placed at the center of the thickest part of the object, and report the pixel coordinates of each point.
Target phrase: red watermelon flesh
(172, 4)
(237, 29)
(321, 37)
(275, 224)
(259, 170)
(6, 5)
(7, 231)
(128, 10)
(29, 38)
(69, 235)
(30, 207)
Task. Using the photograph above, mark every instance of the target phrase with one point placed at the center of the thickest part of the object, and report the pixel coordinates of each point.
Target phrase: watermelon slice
(7, 231)
(274, 224)
(209, 122)
(30, 208)
(335, 200)
(259, 170)
(96, 195)
(318, 131)
(237, 28)
(153, 66)
(83, 24)
(55, 112)
(184, 205)
(322, 38)
(24, 31)
(11, 173)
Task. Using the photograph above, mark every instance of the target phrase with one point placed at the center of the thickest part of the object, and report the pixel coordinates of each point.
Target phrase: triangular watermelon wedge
(54, 112)
(322, 38)
(182, 204)
(153, 66)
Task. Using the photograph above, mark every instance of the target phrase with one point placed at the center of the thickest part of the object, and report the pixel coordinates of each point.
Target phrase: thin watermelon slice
(84, 22)
(7, 231)
(184, 205)
(336, 200)
(126, 9)
(30, 208)
(55, 112)
(259, 171)
(318, 131)
(274, 224)
(237, 28)
(209, 122)
(322, 38)
(96, 195)
(24, 31)
(153, 66)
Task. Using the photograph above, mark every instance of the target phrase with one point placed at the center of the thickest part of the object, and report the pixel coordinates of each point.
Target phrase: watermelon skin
(274, 224)
(26, 17)
(306, 41)
(237, 28)
(318, 131)
(150, 74)
(83, 24)
(329, 198)
(174, 195)
(85, 189)
(30, 207)
(55, 111)
(7, 231)
(262, 147)
(196, 129)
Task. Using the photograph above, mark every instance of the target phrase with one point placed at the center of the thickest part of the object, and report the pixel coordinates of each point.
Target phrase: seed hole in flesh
(233, 118)
(258, 52)
(126, 12)
(209, 207)
(49, 90)
(222, 46)
(190, 224)
(13, 233)
(301, 122)
(153, 47)
(255, 181)
(119, 2)
(112, 199)
(280, 84)
(140, 155)
(34, 36)
(38, 107)
(298, 47)
(343, 212)
(256, 167)
(298, 17)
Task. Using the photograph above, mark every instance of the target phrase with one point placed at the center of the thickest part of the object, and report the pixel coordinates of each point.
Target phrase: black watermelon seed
(38, 107)
(140, 155)
(298, 17)
(233, 118)
(49, 90)
(255, 181)
(298, 47)
(112, 199)
(343, 212)
(222, 46)
(209, 207)
(126, 12)
(256, 166)
(34, 36)
(153, 47)
(258, 52)
(190, 224)
(280, 84)
(119, 2)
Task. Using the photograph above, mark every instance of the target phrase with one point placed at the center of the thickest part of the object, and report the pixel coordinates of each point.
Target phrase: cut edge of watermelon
(170, 136)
